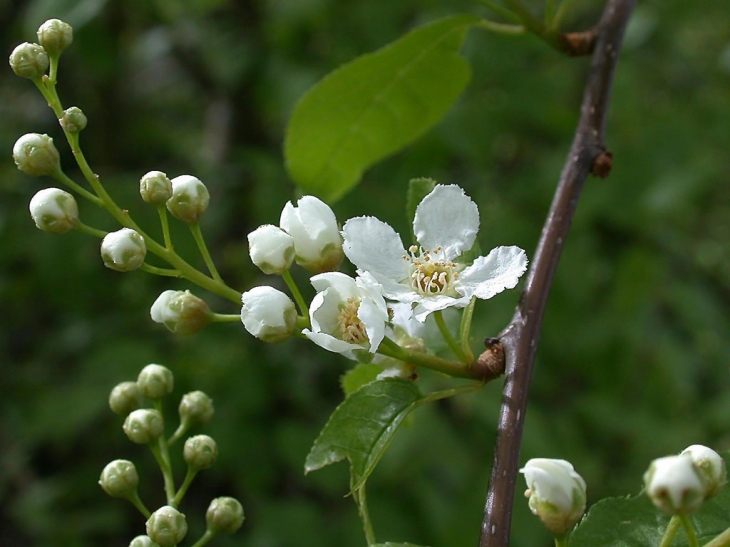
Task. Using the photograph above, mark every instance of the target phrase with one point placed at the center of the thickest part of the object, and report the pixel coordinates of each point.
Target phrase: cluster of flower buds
(679, 484)
(185, 196)
(167, 526)
(30, 60)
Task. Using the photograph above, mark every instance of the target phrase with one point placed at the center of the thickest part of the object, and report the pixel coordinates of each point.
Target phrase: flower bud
(36, 155)
(268, 314)
(200, 452)
(29, 61)
(167, 526)
(73, 120)
(119, 479)
(224, 515)
(271, 249)
(675, 485)
(123, 250)
(189, 199)
(125, 398)
(155, 188)
(155, 381)
(711, 467)
(196, 408)
(142, 541)
(180, 311)
(556, 492)
(54, 211)
(143, 426)
(55, 36)
(317, 239)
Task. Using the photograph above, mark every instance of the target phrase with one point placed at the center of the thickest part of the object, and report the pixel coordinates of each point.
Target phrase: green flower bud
(224, 515)
(155, 381)
(142, 541)
(196, 408)
(54, 211)
(36, 155)
(55, 36)
(711, 467)
(29, 61)
(119, 479)
(167, 526)
(155, 188)
(200, 452)
(271, 249)
(675, 485)
(73, 120)
(189, 199)
(143, 426)
(125, 398)
(181, 311)
(123, 250)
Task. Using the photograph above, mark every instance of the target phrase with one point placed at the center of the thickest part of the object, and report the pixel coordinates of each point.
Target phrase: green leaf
(362, 426)
(355, 378)
(374, 106)
(389, 544)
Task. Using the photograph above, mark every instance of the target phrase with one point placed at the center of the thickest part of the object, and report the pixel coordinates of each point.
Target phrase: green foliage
(374, 106)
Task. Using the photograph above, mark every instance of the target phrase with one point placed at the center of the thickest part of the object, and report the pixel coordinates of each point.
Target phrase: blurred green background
(633, 361)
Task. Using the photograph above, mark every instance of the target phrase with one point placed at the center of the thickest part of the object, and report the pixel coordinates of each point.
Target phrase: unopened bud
(224, 515)
(711, 467)
(167, 526)
(73, 120)
(557, 494)
(143, 426)
(271, 249)
(29, 61)
(36, 155)
(675, 485)
(155, 381)
(142, 541)
(54, 211)
(125, 398)
(123, 250)
(180, 311)
(155, 188)
(189, 199)
(196, 408)
(200, 452)
(268, 314)
(119, 479)
(55, 36)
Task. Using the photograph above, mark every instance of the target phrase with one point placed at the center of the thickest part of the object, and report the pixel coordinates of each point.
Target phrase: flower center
(431, 274)
(352, 330)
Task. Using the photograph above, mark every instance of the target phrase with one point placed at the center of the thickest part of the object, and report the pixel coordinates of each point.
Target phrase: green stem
(450, 340)
(560, 14)
(289, 280)
(674, 523)
(535, 25)
(135, 500)
(205, 539)
(453, 368)
(52, 73)
(203, 248)
(502, 28)
(225, 317)
(189, 476)
(723, 540)
(361, 499)
(84, 229)
(61, 177)
(164, 221)
(561, 541)
(167, 272)
(501, 10)
(179, 432)
(465, 329)
(162, 455)
(689, 529)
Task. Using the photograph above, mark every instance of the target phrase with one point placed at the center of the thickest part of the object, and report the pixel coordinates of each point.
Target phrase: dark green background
(633, 361)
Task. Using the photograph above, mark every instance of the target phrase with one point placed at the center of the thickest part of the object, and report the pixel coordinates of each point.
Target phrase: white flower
(189, 199)
(446, 225)
(347, 314)
(317, 239)
(123, 250)
(54, 211)
(557, 493)
(271, 249)
(675, 485)
(268, 314)
(711, 467)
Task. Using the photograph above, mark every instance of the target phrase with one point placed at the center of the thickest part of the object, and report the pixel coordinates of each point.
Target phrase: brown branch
(587, 155)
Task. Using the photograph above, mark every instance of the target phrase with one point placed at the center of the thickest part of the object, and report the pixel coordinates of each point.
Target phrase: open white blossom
(429, 276)
(346, 314)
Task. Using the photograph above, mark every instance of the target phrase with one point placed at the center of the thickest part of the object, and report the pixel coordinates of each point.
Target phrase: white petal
(430, 304)
(447, 217)
(342, 283)
(373, 246)
(373, 313)
(331, 343)
(489, 275)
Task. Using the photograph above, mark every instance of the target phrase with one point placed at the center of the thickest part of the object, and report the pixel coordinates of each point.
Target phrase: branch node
(491, 363)
(602, 164)
(578, 44)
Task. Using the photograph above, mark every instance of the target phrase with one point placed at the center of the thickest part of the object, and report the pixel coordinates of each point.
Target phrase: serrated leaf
(362, 426)
(374, 106)
(355, 378)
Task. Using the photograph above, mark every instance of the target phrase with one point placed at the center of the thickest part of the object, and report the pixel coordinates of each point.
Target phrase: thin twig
(587, 155)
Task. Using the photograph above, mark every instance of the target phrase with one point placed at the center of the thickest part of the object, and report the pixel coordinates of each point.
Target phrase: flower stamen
(431, 275)
(351, 328)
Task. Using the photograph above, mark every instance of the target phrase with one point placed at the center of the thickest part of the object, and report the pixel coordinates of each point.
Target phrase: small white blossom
(123, 250)
(711, 467)
(180, 311)
(317, 239)
(189, 199)
(675, 485)
(271, 249)
(268, 314)
(557, 494)
(429, 276)
(54, 211)
(347, 314)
